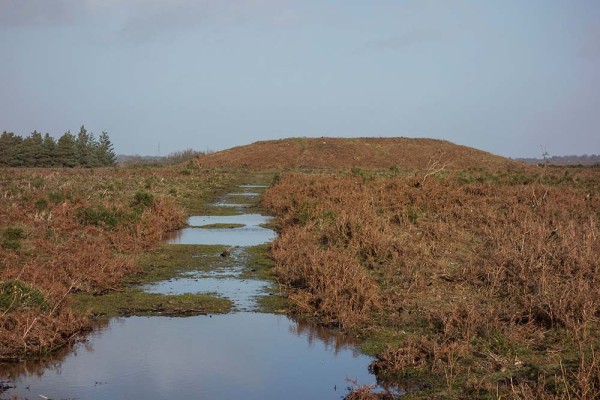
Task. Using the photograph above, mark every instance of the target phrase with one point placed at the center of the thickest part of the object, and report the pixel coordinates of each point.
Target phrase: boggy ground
(68, 232)
(465, 284)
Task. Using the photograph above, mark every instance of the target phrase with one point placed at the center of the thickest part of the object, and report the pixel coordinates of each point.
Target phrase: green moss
(258, 263)
(381, 338)
(135, 302)
(273, 303)
(170, 261)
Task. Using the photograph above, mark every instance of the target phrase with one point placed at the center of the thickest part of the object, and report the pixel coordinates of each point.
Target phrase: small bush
(13, 233)
(15, 294)
(11, 238)
(41, 204)
(142, 200)
(99, 216)
(37, 182)
(56, 197)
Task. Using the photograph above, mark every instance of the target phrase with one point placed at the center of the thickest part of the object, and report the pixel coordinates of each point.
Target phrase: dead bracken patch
(488, 281)
(66, 231)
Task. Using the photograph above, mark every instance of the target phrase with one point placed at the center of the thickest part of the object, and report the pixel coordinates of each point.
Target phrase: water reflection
(242, 292)
(245, 236)
(251, 234)
(221, 280)
(230, 205)
(244, 219)
(332, 339)
(50, 362)
(241, 355)
(242, 194)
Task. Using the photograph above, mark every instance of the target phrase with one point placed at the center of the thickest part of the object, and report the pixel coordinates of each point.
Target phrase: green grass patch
(15, 294)
(13, 233)
(99, 216)
(11, 237)
(258, 263)
(259, 266)
(170, 261)
(381, 337)
(135, 302)
(273, 303)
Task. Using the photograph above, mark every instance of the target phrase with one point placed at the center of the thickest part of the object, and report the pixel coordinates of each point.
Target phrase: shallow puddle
(245, 236)
(231, 205)
(244, 219)
(242, 194)
(243, 354)
(234, 356)
(251, 234)
(242, 292)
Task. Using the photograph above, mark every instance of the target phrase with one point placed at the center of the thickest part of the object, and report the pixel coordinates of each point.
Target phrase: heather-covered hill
(405, 153)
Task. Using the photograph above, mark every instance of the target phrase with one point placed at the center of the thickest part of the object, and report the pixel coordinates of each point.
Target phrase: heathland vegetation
(79, 232)
(466, 274)
(466, 283)
(37, 150)
(334, 153)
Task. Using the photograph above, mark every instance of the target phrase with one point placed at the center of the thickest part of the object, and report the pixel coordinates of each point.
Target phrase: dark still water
(234, 356)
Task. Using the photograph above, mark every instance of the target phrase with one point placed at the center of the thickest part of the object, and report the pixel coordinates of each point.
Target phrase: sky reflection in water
(251, 234)
(241, 355)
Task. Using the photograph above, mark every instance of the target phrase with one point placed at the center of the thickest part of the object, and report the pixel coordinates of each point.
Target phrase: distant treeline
(177, 157)
(37, 150)
(564, 160)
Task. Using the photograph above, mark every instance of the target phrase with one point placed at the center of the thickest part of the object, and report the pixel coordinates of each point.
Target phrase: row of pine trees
(37, 150)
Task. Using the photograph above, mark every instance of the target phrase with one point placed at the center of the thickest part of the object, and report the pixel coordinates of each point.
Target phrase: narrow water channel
(243, 354)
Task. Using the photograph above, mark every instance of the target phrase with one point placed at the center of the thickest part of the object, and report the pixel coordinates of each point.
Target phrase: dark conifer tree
(7, 145)
(36, 150)
(105, 152)
(66, 150)
(16, 151)
(31, 149)
(49, 157)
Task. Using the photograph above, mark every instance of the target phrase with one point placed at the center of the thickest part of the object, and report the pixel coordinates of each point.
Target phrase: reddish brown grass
(488, 274)
(64, 231)
(405, 153)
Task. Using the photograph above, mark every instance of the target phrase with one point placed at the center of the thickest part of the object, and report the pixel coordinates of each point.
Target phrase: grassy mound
(367, 153)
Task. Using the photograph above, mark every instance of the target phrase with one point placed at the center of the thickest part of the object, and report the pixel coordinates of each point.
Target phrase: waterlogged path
(243, 354)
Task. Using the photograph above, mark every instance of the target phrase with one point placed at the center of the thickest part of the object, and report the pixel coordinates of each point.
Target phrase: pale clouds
(400, 42)
(139, 15)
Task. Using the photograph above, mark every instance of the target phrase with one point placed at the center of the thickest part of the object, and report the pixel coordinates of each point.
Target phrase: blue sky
(504, 76)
